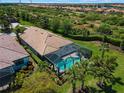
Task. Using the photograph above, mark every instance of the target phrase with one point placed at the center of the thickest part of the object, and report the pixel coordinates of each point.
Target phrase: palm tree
(67, 27)
(103, 66)
(45, 22)
(104, 48)
(103, 70)
(71, 76)
(82, 70)
(5, 23)
(18, 30)
(55, 25)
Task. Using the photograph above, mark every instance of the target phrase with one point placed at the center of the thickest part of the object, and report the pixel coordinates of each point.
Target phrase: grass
(25, 23)
(119, 73)
(119, 87)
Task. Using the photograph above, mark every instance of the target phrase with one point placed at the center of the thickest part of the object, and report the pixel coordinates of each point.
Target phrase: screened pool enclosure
(65, 57)
(5, 75)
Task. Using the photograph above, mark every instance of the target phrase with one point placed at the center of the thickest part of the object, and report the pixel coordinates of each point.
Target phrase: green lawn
(25, 23)
(119, 87)
(66, 88)
(95, 48)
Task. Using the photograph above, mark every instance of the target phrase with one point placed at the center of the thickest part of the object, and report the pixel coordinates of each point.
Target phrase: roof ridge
(44, 49)
(45, 43)
(47, 46)
(12, 50)
(47, 34)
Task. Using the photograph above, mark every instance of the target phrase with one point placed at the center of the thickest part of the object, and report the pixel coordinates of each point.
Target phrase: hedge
(110, 40)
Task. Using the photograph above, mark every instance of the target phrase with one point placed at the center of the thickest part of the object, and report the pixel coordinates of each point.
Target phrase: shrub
(122, 45)
(105, 29)
(122, 36)
(112, 20)
(93, 16)
(121, 22)
(83, 21)
(67, 27)
(55, 25)
(110, 40)
(91, 25)
(113, 41)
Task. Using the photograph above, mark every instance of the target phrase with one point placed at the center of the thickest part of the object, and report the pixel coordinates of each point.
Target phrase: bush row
(110, 40)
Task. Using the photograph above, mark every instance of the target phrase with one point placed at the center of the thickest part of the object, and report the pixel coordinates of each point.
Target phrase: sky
(63, 1)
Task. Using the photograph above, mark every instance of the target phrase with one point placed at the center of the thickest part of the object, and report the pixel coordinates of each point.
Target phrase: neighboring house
(13, 25)
(12, 57)
(58, 51)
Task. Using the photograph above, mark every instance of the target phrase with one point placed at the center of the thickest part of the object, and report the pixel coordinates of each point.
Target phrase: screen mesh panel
(66, 50)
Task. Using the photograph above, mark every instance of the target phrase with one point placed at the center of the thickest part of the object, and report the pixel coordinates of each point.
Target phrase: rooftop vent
(50, 35)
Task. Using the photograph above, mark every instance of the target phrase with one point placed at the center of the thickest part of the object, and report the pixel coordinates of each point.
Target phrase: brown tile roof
(10, 51)
(43, 41)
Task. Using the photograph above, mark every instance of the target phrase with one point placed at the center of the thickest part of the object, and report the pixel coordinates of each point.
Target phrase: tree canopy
(38, 83)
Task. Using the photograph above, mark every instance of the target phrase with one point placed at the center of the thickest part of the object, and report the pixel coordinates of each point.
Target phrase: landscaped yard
(119, 73)
(119, 87)
(89, 26)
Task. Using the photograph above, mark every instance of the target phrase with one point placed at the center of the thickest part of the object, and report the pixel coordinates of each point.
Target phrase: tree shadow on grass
(117, 80)
(93, 90)
(108, 89)
(88, 89)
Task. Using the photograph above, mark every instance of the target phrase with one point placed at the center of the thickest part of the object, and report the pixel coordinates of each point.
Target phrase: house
(12, 57)
(58, 51)
(13, 25)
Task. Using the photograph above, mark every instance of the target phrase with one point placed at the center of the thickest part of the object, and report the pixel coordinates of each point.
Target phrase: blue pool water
(68, 63)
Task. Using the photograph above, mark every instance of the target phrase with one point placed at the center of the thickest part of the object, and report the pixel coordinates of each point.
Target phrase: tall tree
(104, 48)
(67, 27)
(45, 22)
(85, 32)
(5, 23)
(103, 70)
(38, 83)
(105, 29)
(55, 25)
(103, 66)
(82, 70)
(18, 30)
(71, 76)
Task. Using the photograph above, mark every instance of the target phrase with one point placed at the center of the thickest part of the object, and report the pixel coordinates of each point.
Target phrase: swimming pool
(67, 63)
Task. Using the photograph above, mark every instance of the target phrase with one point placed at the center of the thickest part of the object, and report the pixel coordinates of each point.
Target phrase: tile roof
(10, 50)
(43, 41)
